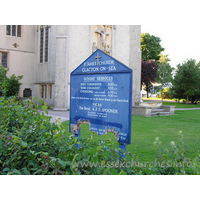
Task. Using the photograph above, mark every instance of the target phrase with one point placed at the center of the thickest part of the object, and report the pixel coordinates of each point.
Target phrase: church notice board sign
(101, 96)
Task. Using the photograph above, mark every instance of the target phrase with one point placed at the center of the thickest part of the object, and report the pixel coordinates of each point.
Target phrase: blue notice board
(101, 96)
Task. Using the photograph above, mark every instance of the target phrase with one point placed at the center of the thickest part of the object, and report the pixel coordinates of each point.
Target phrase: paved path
(187, 108)
(58, 115)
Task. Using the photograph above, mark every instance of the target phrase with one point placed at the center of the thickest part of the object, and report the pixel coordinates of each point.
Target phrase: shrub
(13, 85)
(3, 78)
(166, 93)
(9, 86)
(31, 144)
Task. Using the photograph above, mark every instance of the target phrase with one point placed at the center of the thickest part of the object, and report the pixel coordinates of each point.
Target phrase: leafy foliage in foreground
(31, 144)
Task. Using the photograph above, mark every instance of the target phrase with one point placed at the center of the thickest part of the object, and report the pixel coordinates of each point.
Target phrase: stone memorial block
(101, 96)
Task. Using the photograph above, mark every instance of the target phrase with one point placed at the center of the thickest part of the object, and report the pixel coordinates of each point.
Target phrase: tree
(186, 83)
(150, 47)
(13, 85)
(148, 74)
(9, 86)
(164, 73)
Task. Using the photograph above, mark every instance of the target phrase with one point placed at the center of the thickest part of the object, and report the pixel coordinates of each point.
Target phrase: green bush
(30, 144)
(3, 78)
(9, 86)
(165, 92)
(13, 85)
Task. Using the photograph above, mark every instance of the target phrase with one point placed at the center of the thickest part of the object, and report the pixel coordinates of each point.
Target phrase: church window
(41, 43)
(44, 43)
(8, 30)
(14, 30)
(46, 91)
(42, 91)
(4, 57)
(18, 30)
(50, 91)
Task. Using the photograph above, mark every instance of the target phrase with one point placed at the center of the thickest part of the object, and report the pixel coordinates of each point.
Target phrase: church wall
(60, 72)
(69, 46)
(21, 54)
(135, 61)
(74, 45)
(126, 48)
(22, 64)
(24, 43)
(80, 48)
(121, 43)
(45, 71)
(61, 57)
(80, 45)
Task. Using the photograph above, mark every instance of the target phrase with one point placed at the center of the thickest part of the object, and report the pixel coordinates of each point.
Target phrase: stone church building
(46, 55)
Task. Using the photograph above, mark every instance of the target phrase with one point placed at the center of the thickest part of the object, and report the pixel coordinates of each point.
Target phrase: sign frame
(111, 80)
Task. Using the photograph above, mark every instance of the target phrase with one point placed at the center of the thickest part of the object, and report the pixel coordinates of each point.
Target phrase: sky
(181, 42)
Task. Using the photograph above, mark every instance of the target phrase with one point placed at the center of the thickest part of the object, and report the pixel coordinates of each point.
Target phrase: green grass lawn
(170, 102)
(181, 105)
(166, 128)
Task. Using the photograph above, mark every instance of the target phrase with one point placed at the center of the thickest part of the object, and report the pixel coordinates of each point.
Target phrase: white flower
(173, 143)
(156, 140)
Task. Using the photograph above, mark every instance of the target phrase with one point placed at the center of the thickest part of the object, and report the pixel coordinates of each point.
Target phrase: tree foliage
(9, 86)
(148, 74)
(3, 79)
(13, 85)
(186, 83)
(164, 73)
(150, 47)
(164, 59)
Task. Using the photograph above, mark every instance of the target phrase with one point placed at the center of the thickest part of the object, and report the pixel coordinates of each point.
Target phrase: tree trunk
(147, 93)
(147, 90)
